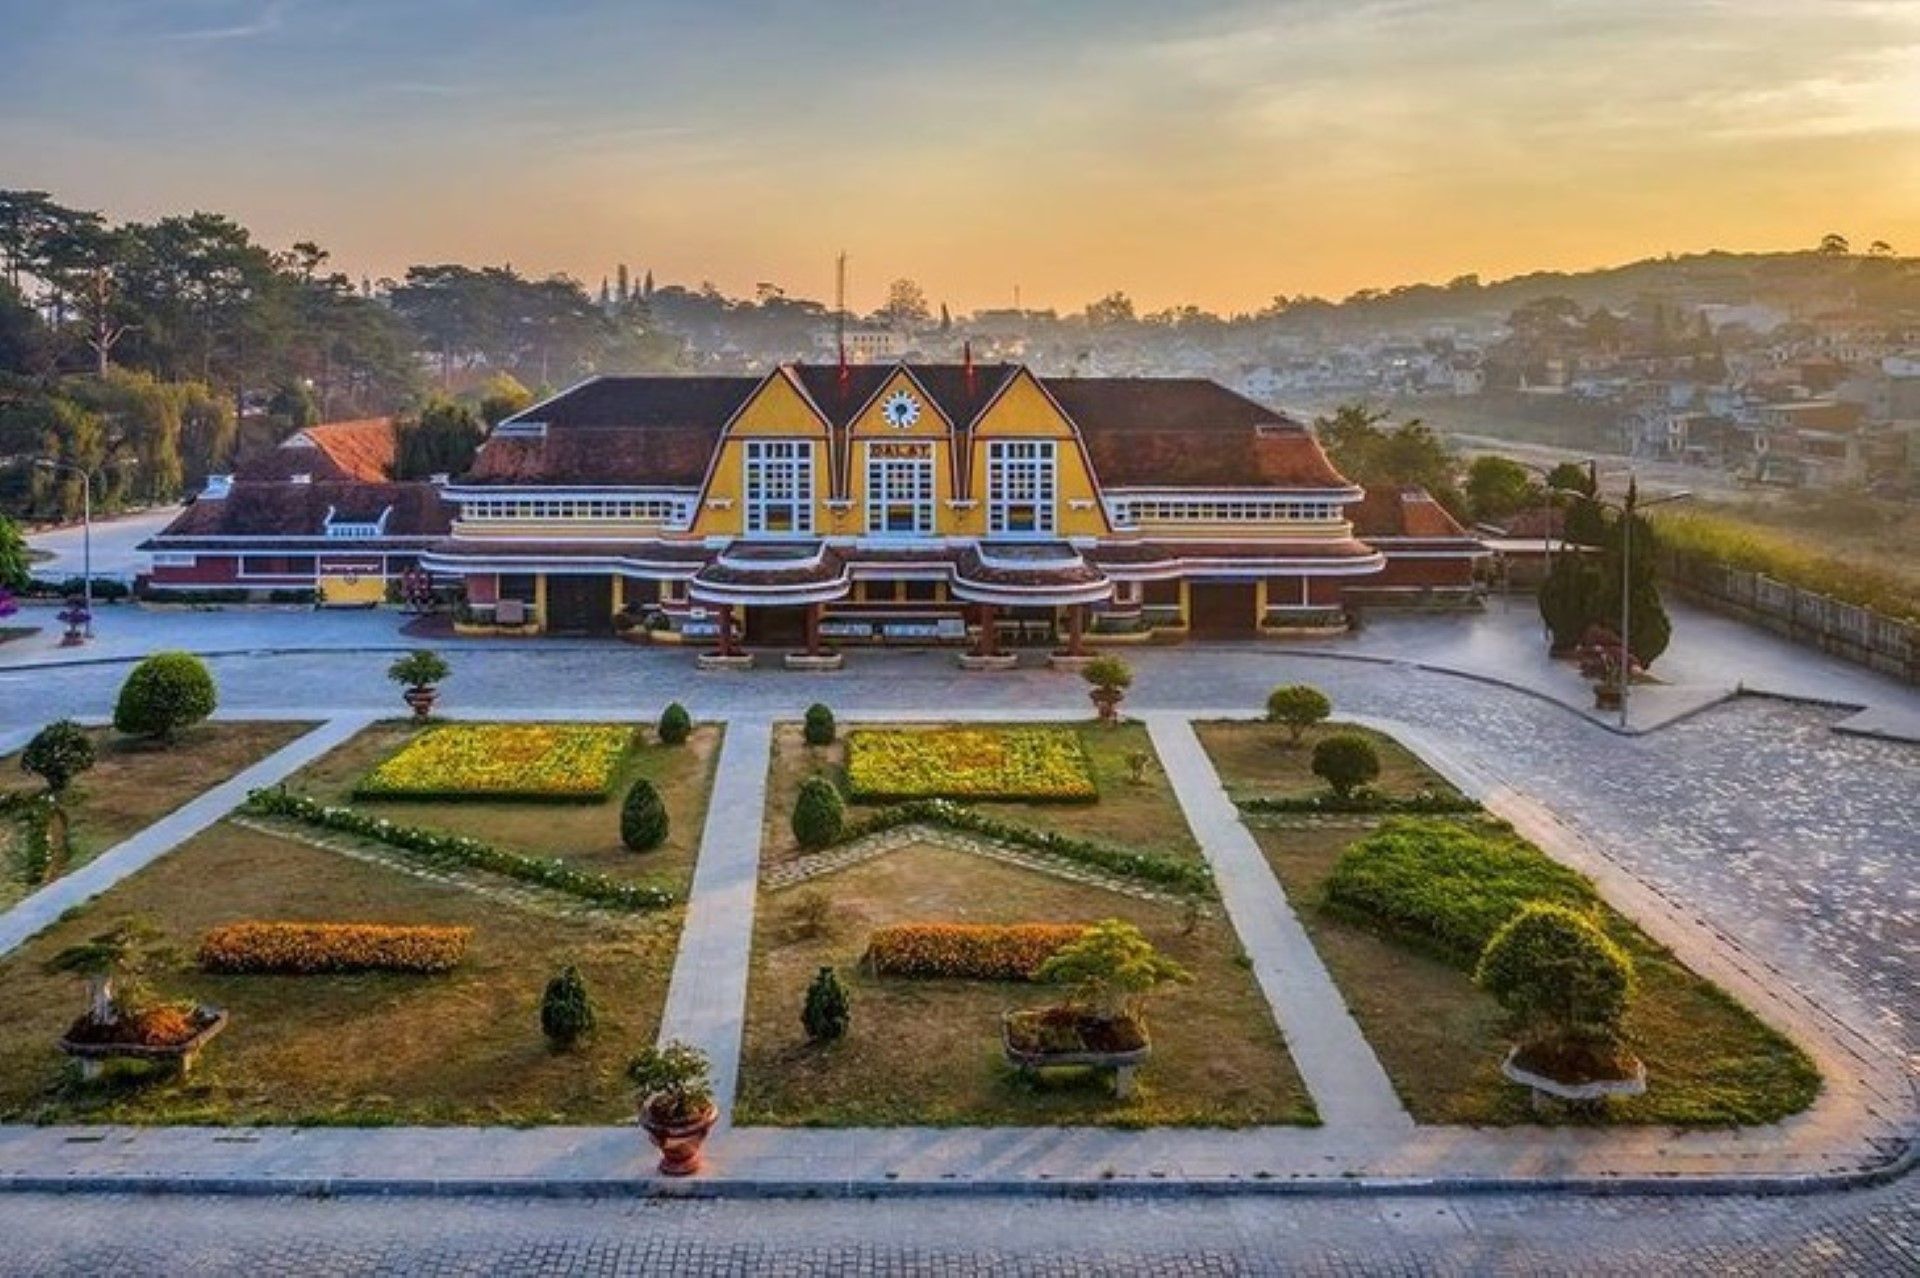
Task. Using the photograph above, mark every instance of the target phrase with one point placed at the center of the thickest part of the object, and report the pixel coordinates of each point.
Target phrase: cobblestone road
(1869, 1233)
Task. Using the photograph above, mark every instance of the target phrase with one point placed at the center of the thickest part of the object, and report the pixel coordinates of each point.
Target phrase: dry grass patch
(1142, 815)
(1255, 761)
(923, 1051)
(586, 835)
(460, 1047)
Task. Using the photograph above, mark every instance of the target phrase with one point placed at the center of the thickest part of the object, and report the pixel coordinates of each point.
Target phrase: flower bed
(542, 762)
(458, 849)
(1364, 801)
(1182, 875)
(1047, 764)
(303, 949)
(970, 951)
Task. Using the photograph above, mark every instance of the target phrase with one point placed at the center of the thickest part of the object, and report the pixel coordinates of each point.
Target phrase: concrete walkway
(707, 999)
(168, 833)
(1345, 1078)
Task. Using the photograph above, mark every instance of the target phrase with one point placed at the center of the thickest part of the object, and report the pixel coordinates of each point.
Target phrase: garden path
(1348, 1084)
(169, 832)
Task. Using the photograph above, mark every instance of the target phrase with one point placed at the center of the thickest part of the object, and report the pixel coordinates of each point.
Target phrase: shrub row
(1152, 867)
(1365, 800)
(1448, 885)
(970, 951)
(302, 949)
(458, 849)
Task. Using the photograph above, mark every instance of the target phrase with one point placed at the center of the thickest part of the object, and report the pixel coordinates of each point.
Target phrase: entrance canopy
(1027, 574)
(778, 573)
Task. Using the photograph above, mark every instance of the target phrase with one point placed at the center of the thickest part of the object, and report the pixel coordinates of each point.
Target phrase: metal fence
(1847, 630)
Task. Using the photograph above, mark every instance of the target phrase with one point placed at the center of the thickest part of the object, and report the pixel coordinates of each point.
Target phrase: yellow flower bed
(562, 762)
(969, 763)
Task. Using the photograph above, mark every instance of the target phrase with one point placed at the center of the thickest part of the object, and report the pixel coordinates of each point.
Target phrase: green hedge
(1152, 867)
(459, 850)
(1424, 803)
(1448, 885)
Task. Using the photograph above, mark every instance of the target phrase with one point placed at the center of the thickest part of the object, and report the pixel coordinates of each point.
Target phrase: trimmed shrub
(165, 693)
(1108, 673)
(1346, 761)
(439, 848)
(969, 951)
(818, 813)
(1297, 707)
(58, 753)
(566, 1009)
(1448, 885)
(421, 668)
(1563, 979)
(676, 725)
(820, 727)
(305, 949)
(827, 1010)
(643, 817)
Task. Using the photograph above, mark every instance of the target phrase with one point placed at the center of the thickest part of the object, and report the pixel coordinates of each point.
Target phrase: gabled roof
(363, 449)
(1405, 514)
(278, 508)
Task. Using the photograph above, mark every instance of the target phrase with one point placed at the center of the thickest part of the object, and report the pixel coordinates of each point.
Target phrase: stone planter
(680, 1144)
(421, 700)
(1549, 1093)
(1123, 1064)
(725, 661)
(93, 1057)
(998, 661)
(824, 661)
(1106, 703)
(1606, 696)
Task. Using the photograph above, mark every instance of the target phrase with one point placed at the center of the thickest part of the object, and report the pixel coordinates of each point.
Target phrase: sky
(1184, 151)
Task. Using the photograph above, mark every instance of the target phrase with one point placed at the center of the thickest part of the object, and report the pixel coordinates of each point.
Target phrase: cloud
(265, 20)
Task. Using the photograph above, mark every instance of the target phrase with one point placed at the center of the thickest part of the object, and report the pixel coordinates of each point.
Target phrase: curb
(1117, 1187)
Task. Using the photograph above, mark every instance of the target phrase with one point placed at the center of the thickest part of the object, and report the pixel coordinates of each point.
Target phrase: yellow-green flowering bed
(553, 762)
(969, 763)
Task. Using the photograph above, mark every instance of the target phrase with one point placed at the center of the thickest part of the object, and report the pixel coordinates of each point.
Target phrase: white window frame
(778, 475)
(1021, 473)
(900, 481)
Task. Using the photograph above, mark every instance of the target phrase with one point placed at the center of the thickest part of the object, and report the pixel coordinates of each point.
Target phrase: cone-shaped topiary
(818, 813)
(566, 1009)
(820, 725)
(676, 725)
(827, 1010)
(1346, 761)
(165, 693)
(643, 817)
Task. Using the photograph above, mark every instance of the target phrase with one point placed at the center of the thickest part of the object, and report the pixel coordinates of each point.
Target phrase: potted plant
(676, 1103)
(76, 618)
(1110, 678)
(418, 672)
(1567, 987)
(120, 1020)
(1112, 969)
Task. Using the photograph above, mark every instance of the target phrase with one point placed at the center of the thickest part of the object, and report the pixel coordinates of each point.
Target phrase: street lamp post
(86, 532)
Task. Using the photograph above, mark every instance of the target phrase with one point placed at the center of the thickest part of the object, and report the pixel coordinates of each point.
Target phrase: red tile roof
(363, 450)
(1404, 512)
(278, 508)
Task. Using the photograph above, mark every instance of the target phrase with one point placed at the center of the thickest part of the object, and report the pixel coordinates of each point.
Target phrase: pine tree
(827, 1010)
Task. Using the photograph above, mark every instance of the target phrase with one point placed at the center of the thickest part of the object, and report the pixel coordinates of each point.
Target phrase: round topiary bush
(1563, 979)
(676, 725)
(165, 693)
(1346, 761)
(818, 813)
(827, 1009)
(1297, 707)
(58, 753)
(566, 1009)
(643, 817)
(820, 725)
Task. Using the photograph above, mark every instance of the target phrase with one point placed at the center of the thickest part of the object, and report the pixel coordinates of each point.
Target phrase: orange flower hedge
(970, 951)
(304, 949)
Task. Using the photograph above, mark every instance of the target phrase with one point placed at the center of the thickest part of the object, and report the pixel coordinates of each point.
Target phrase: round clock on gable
(901, 409)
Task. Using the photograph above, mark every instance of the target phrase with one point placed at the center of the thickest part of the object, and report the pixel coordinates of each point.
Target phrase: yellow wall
(775, 411)
(356, 591)
(1024, 411)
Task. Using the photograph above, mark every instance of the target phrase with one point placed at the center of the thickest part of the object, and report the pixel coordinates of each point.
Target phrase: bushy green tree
(1345, 761)
(566, 1009)
(643, 817)
(165, 693)
(1561, 977)
(820, 727)
(827, 1010)
(1297, 707)
(1113, 967)
(676, 725)
(1497, 487)
(1570, 599)
(440, 441)
(819, 814)
(58, 753)
(14, 573)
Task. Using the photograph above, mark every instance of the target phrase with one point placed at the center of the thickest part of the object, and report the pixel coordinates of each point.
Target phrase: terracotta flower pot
(421, 699)
(1106, 703)
(679, 1143)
